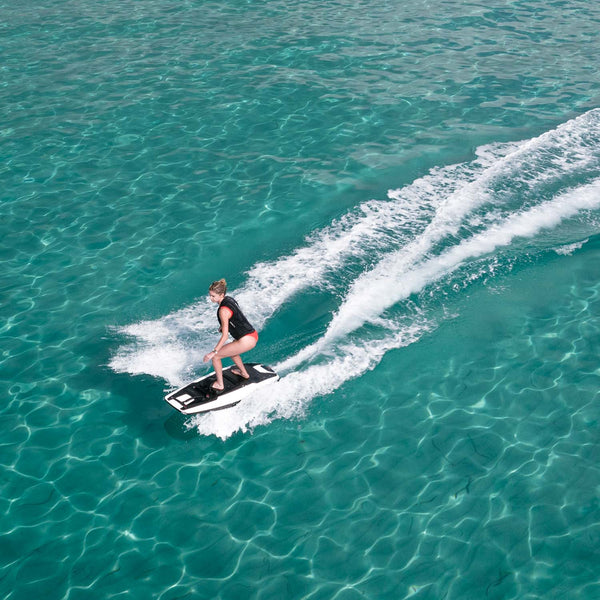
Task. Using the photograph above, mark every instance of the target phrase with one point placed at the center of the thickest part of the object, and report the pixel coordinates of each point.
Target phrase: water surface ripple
(404, 198)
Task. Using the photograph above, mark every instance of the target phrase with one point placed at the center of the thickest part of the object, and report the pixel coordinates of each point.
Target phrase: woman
(232, 321)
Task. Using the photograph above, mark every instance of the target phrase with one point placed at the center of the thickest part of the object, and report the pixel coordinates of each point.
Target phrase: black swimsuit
(239, 326)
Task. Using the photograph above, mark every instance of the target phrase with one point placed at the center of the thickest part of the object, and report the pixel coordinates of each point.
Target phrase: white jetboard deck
(199, 397)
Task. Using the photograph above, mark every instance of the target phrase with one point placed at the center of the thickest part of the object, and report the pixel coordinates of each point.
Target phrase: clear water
(405, 199)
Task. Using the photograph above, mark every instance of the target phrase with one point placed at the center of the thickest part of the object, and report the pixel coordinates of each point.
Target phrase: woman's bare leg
(218, 367)
(241, 369)
(233, 351)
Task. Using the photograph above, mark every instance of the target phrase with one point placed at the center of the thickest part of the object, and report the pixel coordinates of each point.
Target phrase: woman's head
(217, 290)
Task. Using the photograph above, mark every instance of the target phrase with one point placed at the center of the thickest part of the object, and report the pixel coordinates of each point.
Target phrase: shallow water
(405, 201)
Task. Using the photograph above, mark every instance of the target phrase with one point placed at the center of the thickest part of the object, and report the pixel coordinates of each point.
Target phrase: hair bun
(218, 286)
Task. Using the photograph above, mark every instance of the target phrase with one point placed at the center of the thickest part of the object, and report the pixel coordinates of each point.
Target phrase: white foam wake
(570, 149)
(424, 232)
(391, 281)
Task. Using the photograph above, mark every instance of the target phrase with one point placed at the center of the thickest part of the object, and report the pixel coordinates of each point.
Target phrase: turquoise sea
(405, 200)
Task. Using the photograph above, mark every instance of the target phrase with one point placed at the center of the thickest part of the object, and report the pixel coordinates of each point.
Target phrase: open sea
(404, 198)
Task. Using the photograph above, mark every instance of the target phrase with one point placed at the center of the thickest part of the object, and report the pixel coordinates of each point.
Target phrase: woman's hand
(209, 356)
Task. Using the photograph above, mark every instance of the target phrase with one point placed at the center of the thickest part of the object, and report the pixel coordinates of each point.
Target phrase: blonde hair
(218, 286)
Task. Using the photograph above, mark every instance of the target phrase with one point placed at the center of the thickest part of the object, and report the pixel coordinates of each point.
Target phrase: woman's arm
(224, 314)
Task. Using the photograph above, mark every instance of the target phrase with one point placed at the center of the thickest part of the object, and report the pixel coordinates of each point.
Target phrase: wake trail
(531, 167)
(441, 224)
(171, 347)
(379, 289)
(349, 359)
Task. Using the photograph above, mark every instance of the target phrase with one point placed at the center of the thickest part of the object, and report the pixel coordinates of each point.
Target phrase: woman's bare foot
(237, 372)
(216, 387)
